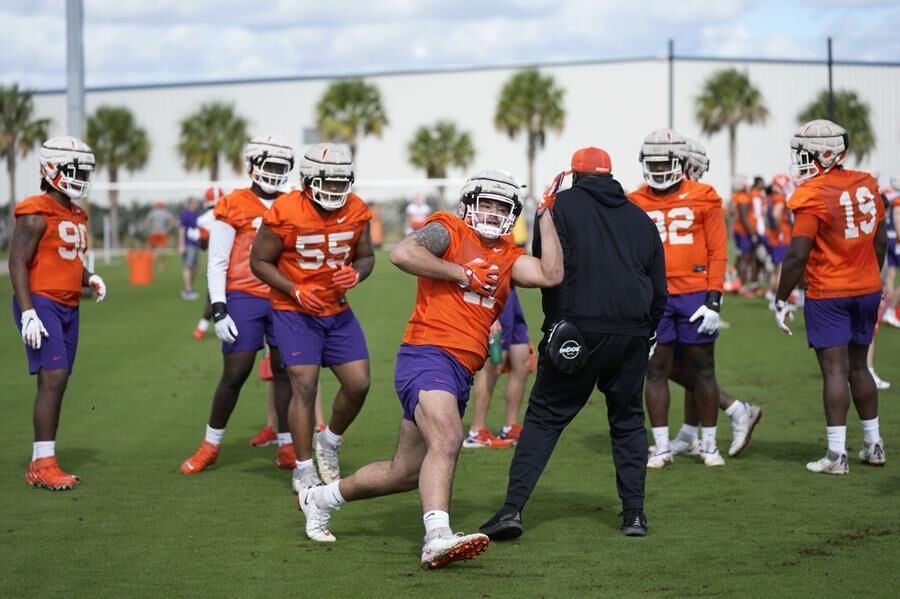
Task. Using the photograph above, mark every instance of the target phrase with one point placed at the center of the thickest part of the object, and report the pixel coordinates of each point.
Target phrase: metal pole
(671, 84)
(830, 85)
(75, 68)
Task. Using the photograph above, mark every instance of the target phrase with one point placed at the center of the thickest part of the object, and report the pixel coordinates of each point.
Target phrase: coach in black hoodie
(610, 301)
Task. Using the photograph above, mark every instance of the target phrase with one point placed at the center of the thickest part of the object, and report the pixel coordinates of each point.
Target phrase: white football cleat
(326, 460)
(832, 463)
(890, 318)
(440, 551)
(710, 456)
(873, 454)
(301, 480)
(317, 516)
(685, 446)
(742, 426)
(659, 459)
(880, 383)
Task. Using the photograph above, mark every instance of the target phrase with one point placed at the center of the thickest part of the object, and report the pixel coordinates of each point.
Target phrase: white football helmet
(697, 160)
(817, 147)
(498, 186)
(327, 171)
(269, 161)
(67, 164)
(663, 156)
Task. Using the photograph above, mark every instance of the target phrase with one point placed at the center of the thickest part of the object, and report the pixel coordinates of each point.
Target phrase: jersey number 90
(76, 237)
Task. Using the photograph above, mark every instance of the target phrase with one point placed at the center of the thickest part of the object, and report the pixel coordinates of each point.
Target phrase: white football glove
(710, 322)
(96, 283)
(783, 312)
(226, 330)
(32, 329)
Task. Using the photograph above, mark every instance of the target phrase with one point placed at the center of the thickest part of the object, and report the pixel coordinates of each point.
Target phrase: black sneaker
(634, 523)
(505, 525)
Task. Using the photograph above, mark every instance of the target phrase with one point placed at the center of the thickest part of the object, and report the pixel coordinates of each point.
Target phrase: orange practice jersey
(451, 318)
(315, 246)
(243, 211)
(738, 199)
(691, 223)
(57, 267)
(781, 234)
(840, 210)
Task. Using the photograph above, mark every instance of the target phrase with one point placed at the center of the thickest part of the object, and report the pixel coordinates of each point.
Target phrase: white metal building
(609, 104)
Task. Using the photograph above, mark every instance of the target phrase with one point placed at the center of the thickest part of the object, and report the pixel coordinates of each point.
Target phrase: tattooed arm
(26, 236)
(420, 254)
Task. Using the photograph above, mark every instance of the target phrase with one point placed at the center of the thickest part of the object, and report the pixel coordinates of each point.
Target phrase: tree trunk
(732, 150)
(214, 169)
(11, 171)
(442, 196)
(114, 208)
(532, 151)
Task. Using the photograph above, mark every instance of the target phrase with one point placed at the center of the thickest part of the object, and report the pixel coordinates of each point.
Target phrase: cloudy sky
(130, 42)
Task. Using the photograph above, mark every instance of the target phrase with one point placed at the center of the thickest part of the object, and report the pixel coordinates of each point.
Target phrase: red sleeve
(805, 225)
(716, 246)
(29, 206)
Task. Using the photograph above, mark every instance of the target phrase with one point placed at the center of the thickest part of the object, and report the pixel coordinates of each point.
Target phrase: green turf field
(137, 405)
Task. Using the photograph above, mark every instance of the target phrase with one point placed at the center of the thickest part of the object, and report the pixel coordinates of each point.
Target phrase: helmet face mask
(67, 165)
(270, 162)
(490, 203)
(327, 175)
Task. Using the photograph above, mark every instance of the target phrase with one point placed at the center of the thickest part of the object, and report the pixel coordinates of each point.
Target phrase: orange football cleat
(205, 457)
(46, 473)
(287, 458)
(264, 438)
(199, 334)
(513, 434)
(484, 438)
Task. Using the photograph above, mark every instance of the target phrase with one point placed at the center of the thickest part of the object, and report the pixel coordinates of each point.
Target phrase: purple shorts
(778, 252)
(742, 242)
(58, 350)
(254, 318)
(893, 259)
(841, 320)
(512, 321)
(429, 368)
(322, 340)
(674, 326)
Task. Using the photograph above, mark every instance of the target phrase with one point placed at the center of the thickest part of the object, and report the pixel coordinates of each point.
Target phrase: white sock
(708, 437)
(472, 434)
(284, 439)
(46, 449)
(661, 438)
(733, 408)
(203, 325)
(870, 431)
(437, 523)
(505, 429)
(305, 464)
(331, 494)
(327, 437)
(688, 432)
(214, 435)
(837, 439)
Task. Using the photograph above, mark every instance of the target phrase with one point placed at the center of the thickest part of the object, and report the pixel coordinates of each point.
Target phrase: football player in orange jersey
(241, 310)
(741, 213)
(464, 272)
(839, 241)
(313, 247)
(743, 414)
(691, 224)
(778, 228)
(46, 266)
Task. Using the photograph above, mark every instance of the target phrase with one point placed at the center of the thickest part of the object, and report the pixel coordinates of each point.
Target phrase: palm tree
(438, 147)
(118, 142)
(851, 113)
(19, 132)
(532, 104)
(350, 109)
(214, 132)
(727, 100)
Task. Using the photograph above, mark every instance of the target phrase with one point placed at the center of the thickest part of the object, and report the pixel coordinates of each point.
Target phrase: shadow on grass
(793, 452)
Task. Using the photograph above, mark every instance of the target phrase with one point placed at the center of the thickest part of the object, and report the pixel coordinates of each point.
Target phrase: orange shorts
(158, 240)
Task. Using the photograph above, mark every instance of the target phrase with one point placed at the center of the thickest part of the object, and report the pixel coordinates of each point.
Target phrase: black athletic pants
(617, 367)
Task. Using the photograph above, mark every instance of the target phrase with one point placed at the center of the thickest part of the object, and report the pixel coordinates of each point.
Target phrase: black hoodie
(615, 268)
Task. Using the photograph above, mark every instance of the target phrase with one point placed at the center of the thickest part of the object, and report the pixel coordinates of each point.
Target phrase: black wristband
(714, 300)
(219, 311)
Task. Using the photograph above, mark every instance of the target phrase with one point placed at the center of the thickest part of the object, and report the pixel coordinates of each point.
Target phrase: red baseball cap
(591, 160)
